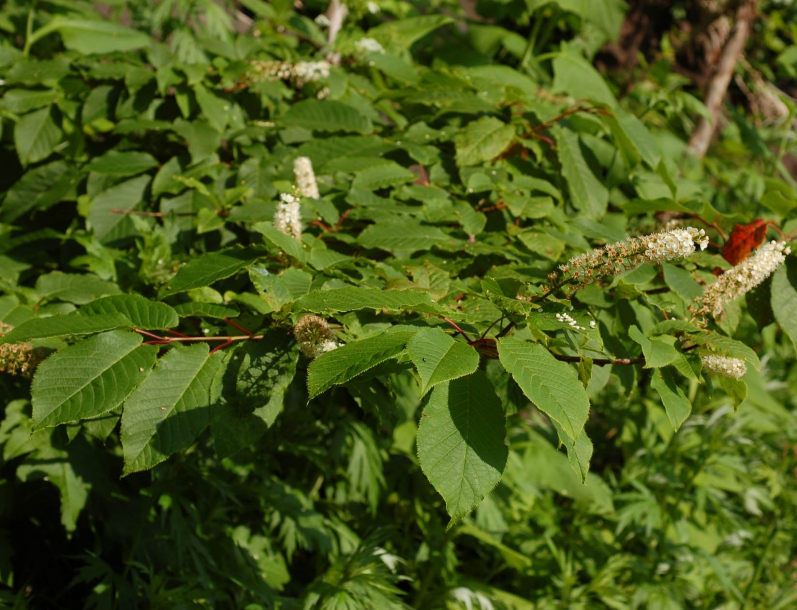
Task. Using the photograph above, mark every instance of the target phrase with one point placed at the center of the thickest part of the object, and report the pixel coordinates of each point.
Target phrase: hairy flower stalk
(18, 358)
(314, 336)
(288, 217)
(724, 366)
(740, 279)
(305, 178)
(623, 256)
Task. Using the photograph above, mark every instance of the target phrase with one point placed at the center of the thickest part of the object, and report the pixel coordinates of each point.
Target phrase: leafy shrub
(422, 317)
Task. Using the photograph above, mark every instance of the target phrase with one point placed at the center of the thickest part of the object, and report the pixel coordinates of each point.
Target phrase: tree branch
(718, 87)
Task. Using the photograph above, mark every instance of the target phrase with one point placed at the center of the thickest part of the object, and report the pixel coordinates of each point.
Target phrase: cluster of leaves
(458, 166)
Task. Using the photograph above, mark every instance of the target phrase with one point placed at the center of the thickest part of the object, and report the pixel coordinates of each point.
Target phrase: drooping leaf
(579, 451)
(252, 391)
(551, 385)
(461, 442)
(439, 358)
(73, 287)
(404, 32)
(208, 268)
(382, 176)
(108, 214)
(346, 362)
(676, 404)
(289, 245)
(38, 189)
(169, 410)
(588, 194)
(89, 378)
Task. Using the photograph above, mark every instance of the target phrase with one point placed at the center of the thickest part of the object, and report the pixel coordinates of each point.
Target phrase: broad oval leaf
(461, 442)
(170, 409)
(551, 385)
(129, 163)
(36, 135)
(675, 402)
(90, 36)
(89, 378)
(784, 298)
(353, 299)
(588, 194)
(440, 358)
(483, 140)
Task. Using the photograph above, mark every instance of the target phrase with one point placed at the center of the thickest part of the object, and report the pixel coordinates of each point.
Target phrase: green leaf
(38, 189)
(403, 236)
(353, 299)
(141, 312)
(205, 310)
(461, 442)
(89, 378)
(215, 109)
(577, 77)
(482, 140)
(784, 298)
(440, 358)
(579, 451)
(208, 268)
(107, 214)
(382, 176)
(73, 323)
(93, 36)
(404, 32)
(36, 135)
(657, 352)
(725, 346)
(115, 163)
(73, 287)
(253, 391)
(634, 140)
(587, 193)
(170, 409)
(676, 404)
(348, 361)
(682, 282)
(551, 385)
(289, 245)
(326, 115)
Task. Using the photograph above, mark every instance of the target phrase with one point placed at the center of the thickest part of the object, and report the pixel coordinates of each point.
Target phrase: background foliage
(144, 149)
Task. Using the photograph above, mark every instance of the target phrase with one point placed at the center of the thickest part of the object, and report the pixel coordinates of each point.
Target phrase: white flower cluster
(299, 73)
(566, 318)
(305, 177)
(740, 279)
(314, 336)
(617, 258)
(724, 366)
(288, 217)
(369, 45)
(672, 244)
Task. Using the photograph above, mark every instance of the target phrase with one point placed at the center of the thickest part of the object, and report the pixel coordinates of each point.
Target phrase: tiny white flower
(373, 7)
(305, 177)
(288, 217)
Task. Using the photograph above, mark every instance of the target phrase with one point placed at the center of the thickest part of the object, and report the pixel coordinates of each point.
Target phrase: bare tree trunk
(733, 50)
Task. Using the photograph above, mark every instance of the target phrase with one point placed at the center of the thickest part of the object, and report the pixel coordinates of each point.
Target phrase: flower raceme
(724, 366)
(314, 336)
(617, 258)
(18, 358)
(305, 178)
(288, 217)
(299, 73)
(740, 279)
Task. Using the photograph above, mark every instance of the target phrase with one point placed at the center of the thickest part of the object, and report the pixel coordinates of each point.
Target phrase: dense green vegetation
(302, 307)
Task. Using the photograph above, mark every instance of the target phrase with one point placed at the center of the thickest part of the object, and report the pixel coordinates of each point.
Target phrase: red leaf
(743, 240)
